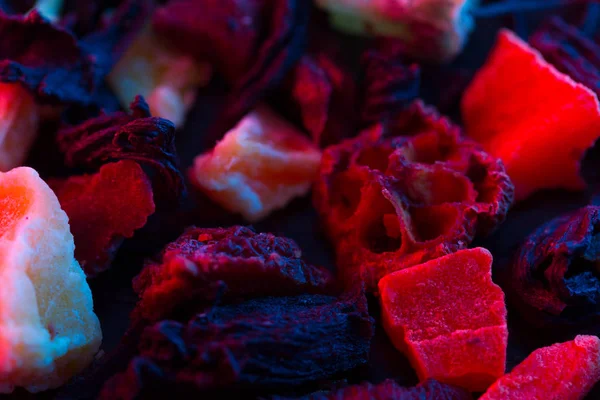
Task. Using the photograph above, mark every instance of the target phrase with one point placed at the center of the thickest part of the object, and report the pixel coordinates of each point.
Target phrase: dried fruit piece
(258, 167)
(449, 318)
(406, 191)
(565, 371)
(554, 277)
(266, 343)
(48, 330)
(192, 269)
(103, 209)
(390, 390)
(168, 80)
(429, 29)
(501, 110)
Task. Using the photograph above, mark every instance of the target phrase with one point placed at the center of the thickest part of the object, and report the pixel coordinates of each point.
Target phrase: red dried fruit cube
(563, 371)
(449, 318)
(406, 192)
(103, 209)
(540, 142)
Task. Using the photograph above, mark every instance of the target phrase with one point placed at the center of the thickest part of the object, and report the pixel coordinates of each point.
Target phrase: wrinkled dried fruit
(565, 371)
(191, 270)
(168, 80)
(449, 318)
(429, 29)
(48, 330)
(390, 390)
(259, 166)
(555, 278)
(407, 191)
(266, 343)
(502, 110)
(149, 141)
(253, 44)
(103, 209)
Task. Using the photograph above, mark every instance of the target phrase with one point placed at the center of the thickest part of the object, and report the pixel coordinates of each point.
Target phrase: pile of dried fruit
(134, 125)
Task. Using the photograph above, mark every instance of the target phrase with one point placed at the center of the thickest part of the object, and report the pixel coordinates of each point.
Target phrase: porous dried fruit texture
(563, 371)
(103, 209)
(192, 269)
(48, 330)
(19, 116)
(258, 167)
(430, 29)
(407, 191)
(449, 318)
(166, 78)
(541, 142)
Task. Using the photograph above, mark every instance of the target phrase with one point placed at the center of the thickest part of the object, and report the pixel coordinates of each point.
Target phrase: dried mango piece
(48, 330)
(449, 318)
(259, 166)
(533, 117)
(563, 371)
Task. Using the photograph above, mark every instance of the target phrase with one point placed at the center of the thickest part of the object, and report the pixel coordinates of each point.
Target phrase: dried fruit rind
(48, 330)
(449, 318)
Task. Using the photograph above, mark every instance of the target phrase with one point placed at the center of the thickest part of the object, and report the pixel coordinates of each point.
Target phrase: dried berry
(502, 110)
(406, 191)
(191, 270)
(261, 344)
(449, 318)
(103, 209)
(562, 371)
(555, 278)
(390, 390)
(149, 141)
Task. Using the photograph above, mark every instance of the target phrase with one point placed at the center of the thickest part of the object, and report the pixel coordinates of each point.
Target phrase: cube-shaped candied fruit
(563, 371)
(259, 166)
(449, 318)
(536, 119)
(48, 330)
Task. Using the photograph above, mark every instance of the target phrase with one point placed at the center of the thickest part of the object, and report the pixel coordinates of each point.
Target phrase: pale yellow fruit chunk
(48, 330)
(259, 166)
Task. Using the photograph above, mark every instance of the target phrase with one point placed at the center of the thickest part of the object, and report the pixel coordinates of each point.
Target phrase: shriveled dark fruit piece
(555, 277)
(264, 344)
(569, 51)
(149, 141)
(191, 270)
(103, 209)
(253, 44)
(406, 191)
(390, 390)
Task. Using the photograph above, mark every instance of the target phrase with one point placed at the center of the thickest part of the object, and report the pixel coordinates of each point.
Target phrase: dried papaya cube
(259, 166)
(192, 269)
(540, 142)
(48, 330)
(565, 371)
(105, 208)
(449, 318)
(405, 192)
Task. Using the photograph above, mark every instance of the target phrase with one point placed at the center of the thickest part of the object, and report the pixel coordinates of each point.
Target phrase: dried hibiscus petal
(449, 318)
(390, 390)
(104, 209)
(191, 270)
(260, 344)
(555, 276)
(407, 191)
(502, 110)
(562, 371)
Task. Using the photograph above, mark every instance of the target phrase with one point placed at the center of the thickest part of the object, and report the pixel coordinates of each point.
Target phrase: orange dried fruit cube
(449, 318)
(48, 330)
(536, 119)
(563, 371)
(259, 166)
